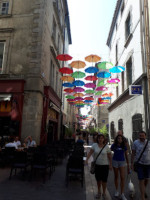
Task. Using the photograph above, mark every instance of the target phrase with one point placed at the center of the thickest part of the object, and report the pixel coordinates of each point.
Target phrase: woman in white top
(103, 164)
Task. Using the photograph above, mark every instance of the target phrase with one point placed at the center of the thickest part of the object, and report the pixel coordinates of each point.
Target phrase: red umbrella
(64, 57)
(66, 70)
(69, 90)
(89, 98)
(91, 78)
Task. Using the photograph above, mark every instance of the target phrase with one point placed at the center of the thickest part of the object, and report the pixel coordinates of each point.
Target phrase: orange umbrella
(92, 58)
(107, 95)
(78, 64)
(79, 102)
(67, 78)
(78, 95)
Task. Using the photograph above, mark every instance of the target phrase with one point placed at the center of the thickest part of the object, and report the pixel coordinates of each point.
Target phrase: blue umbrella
(88, 101)
(117, 69)
(91, 70)
(67, 85)
(103, 74)
(106, 98)
(78, 83)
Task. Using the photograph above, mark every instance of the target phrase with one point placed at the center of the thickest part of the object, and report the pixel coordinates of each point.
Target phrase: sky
(90, 22)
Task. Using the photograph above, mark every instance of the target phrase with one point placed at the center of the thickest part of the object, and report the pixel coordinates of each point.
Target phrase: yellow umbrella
(78, 64)
(92, 58)
(78, 95)
(67, 78)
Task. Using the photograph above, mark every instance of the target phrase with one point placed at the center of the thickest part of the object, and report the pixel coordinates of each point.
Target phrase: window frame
(129, 71)
(3, 56)
(8, 14)
(128, 26)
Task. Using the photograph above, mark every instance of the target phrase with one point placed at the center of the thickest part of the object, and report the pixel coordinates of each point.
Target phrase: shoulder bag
(136, 163)
(93, 163)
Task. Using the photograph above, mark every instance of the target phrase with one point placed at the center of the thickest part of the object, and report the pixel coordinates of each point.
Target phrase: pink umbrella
(90, 85)
(78, 98)
(102, 88)
(78, 89)
(113, 80)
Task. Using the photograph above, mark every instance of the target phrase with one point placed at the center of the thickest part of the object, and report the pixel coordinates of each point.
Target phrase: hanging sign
(135, 90)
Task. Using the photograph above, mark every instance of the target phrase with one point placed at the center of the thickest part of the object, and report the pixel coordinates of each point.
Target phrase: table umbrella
(78, 64)
(78, 74)
(91, 70)
(90, 85)
(78, 89)
(67, 85)
(78, 94)
(102, 88)
(70, 97)
(78, 83)
(66, 70)
(89, 91)
(91, 78)
(117, 69)
(92, 58)
(78, 98)
(101, 83)
(64, 57)
(113, 80)
(103, 74)
(67, 78)
(69, 90)
(105, 65)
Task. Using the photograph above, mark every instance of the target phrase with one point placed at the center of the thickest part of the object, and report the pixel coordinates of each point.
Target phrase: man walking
(141, 149)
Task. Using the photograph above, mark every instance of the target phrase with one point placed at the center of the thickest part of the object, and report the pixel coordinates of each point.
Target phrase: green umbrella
(99, 93)
(89, 91)
(78, 74)
(105, 65)
(101, 83)
(70, 97)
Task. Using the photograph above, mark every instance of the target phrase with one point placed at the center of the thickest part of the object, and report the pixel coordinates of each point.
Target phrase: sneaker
(123, 197)
(116, 194)
(98, 196)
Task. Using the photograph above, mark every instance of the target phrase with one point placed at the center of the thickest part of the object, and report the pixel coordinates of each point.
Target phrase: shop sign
(135, 90)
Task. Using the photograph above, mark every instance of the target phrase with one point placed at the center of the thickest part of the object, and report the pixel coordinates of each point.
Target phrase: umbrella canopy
(78, 83)
(107, 94)
(90, 85)
(78, 89)
(77, 102)
(78, 74)
(78, 99)
(101, 83)
(117, 69)
(105, 65)
(67, 85)
(91, 78)
(67, 78)
(70, 97)
(89, 91)
(89, 98)
(88, 101)
(64, 57)
(71, 100)
(78, 95)
(106, 98)
(92, 58)
(78, 64)
(66, 70)
(113, 80)
(69, 90)
(102, 88)
(103, 74)
(91, 70)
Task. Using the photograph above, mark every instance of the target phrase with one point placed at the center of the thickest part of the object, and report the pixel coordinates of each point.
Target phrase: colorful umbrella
(78, 64)
(78, 89)
(78, 83)
(107, 94)
(113, 80)
(105, 65)
(78, 95)
(67, 85)
(102, 88)
(66, 70)
(101, 83)
(89, 98)
(67, 78)
(64, 57)
(117, 69)
(69, 90)
(78, 74)
(78, 99)
(89, 91)
(90, 85)
(106, 98)
(77, 102)
(103, 74)
(91, 70)
(88, 101)
(92, 58)
(71, 100)
(91, 78)
(70, 97)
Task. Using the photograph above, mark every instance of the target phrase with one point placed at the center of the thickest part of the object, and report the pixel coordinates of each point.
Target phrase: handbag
(93, 163)
(136, 163)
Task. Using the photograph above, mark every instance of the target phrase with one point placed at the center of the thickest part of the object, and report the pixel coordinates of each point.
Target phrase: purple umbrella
(102, 88)
(78, 89)
(78, 98)
(90, 85)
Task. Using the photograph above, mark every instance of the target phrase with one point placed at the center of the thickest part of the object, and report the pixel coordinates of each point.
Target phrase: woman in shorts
(120, 158)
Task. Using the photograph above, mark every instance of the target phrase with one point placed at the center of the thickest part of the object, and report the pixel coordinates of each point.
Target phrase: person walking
(141, 153)
(120, 158)
(103, 164)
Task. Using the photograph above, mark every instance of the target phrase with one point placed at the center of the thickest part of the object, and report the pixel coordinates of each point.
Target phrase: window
(120, 124)
(4, 6)
(136, 125)
(122, 80)
(54, 29)
(112, 130)
(56, 82)
(116, 53)
(52, 74)
(2, 44)
(58, 42)
(117, 92)
(128, 26)
(129, 72)
(122, 8)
